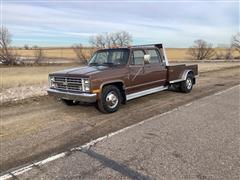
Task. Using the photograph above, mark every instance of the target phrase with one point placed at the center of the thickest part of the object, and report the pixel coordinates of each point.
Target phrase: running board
(146, 92)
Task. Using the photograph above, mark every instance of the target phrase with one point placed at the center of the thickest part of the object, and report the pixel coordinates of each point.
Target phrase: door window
(137, 57)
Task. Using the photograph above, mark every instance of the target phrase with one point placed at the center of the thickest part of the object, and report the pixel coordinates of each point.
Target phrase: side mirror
(147, 59)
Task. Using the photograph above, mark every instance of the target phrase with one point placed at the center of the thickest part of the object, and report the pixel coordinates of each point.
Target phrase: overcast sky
(175, 23)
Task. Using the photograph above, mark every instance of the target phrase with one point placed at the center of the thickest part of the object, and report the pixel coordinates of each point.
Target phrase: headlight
(86, 85)
(86, 81)
(52, 84)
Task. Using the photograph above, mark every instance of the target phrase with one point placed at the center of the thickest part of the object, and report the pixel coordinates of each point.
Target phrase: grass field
(173, 53)
(27, 75)
(38, 75)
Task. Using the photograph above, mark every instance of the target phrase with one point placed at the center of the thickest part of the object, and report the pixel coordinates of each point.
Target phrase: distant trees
(83, 53)
(7, 56)
(38, 55)
(228, 53)
(201, 50)
(106, 40)
(35, 47)
(236, 42)
(225, 52)
(26, 47)
(110, 40)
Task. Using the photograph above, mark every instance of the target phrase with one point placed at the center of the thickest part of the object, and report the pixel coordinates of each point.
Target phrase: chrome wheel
(112, 99)
(189, 83)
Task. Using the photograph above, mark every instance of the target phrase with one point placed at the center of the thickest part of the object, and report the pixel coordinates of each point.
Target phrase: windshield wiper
(108, 63)
(93, 64)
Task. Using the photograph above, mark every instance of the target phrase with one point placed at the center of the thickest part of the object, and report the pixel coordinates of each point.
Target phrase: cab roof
(159, 46)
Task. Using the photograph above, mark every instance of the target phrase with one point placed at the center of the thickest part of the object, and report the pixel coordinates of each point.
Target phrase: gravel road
(36, 128)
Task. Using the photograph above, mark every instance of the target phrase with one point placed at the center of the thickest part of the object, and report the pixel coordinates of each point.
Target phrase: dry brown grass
(177, 54)
(173, 53)
(51, 53)
(182, 53)
(204, 67)
(27, 75)
(38, 75)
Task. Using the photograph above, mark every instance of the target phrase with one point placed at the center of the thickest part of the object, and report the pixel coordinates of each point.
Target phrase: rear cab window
(154, 56)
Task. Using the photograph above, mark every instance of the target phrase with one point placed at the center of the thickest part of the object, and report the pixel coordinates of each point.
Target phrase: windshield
(109, 57)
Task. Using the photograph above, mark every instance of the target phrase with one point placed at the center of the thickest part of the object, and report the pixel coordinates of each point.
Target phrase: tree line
(203, 50)
(200, 49)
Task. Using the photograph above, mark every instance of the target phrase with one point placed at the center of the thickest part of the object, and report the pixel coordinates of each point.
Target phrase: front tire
(187, 85)
(110, 99)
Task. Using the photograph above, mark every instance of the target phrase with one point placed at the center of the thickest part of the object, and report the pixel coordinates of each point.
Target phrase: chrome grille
(68, 83)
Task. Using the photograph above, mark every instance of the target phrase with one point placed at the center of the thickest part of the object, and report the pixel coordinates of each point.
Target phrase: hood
(81, 71)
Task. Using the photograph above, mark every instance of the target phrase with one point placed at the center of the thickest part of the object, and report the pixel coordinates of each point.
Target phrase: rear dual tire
(184, 86)
(187, 85)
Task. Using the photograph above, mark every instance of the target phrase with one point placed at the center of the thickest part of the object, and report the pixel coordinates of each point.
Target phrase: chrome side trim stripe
(146, 92)
(175, 81)
(179, 80)
(130, 87)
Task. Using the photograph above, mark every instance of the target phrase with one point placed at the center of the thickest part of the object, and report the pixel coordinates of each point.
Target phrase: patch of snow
(23, 92)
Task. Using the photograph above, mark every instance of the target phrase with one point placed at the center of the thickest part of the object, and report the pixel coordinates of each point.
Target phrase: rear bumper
(83, 97)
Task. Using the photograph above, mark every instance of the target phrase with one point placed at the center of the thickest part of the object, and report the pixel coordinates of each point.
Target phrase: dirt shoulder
(34, 129)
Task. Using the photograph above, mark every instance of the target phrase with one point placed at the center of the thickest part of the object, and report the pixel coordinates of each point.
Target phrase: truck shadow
(119, 167)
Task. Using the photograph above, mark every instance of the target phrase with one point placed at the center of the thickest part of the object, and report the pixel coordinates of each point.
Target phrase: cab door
(155, 70)
(137, 79)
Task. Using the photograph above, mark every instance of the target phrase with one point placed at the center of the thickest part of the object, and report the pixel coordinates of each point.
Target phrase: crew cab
(117, 75)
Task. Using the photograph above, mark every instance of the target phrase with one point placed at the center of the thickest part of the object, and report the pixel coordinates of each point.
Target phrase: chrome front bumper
(83, 97)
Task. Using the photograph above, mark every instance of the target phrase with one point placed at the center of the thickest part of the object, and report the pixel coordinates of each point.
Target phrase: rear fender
(185, 73)
(183, 76)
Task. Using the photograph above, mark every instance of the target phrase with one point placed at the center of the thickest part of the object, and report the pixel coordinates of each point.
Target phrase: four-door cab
(114, 76)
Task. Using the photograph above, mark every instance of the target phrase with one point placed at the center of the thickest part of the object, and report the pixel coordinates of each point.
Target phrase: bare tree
(201, 50)
(98, 41)
(35, 47)
(38, 55)
(236, 42)
(7, 56)
(123, 38)
(113, 38)
(109, 40)
(26, 47)
(226, 53)
(82, 53)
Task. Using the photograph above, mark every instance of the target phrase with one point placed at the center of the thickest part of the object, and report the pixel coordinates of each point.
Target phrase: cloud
(175, 24)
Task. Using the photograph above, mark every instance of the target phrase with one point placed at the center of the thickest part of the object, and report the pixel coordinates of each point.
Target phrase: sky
(173, 23)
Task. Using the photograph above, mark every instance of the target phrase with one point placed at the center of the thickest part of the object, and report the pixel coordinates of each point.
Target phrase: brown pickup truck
(114, 76)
